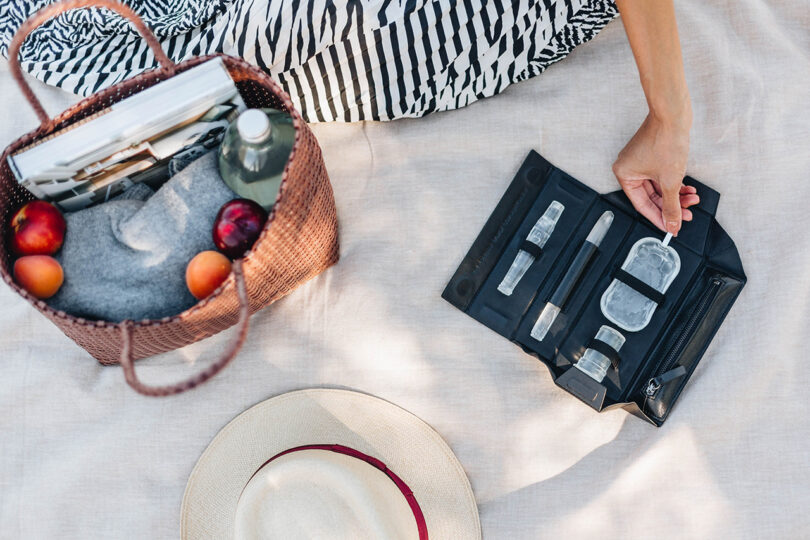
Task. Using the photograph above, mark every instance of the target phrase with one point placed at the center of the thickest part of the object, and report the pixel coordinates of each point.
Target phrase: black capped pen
(571, 277)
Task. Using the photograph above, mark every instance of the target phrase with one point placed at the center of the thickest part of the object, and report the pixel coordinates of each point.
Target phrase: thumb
(671, 206)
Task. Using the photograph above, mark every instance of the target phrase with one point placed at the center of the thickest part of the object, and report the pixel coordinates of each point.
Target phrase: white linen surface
(83, 456)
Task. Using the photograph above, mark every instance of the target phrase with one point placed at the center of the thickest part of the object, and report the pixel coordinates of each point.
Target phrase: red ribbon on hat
(421, 525)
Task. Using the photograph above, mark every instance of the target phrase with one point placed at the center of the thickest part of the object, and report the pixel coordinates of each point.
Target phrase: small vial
(595, 364)
(538, 236)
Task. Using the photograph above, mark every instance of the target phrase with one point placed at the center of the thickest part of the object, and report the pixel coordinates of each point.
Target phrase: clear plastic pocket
(651, 261)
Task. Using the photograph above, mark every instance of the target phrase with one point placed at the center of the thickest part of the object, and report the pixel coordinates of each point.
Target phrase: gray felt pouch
(126, 258)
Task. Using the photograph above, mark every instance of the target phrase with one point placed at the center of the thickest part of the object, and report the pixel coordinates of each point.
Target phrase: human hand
(650, 170)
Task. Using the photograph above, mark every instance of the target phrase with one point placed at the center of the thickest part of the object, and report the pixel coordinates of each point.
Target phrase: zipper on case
(664, 372)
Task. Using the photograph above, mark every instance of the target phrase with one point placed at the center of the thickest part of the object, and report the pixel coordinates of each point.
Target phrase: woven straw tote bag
(299, 240)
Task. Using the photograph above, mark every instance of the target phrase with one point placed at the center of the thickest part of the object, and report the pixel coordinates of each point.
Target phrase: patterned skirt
(340, 61)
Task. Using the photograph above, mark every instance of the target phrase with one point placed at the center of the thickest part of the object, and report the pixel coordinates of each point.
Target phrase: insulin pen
(571, 277)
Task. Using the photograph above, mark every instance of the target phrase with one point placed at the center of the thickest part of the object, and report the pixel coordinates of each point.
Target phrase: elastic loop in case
(601, 347)
(639, 286)
(532, 249)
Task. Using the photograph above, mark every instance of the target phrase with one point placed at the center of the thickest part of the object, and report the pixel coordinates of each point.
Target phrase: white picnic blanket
(83, 456)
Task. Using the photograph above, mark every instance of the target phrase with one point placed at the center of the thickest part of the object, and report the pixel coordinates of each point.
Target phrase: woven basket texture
(299, 241)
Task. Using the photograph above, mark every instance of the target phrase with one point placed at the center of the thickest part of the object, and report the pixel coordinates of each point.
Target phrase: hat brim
(407, 445)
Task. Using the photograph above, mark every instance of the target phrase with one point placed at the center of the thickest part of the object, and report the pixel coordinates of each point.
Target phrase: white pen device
(538, 236)
(571, 277)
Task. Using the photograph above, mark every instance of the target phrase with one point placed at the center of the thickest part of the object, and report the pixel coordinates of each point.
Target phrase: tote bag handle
(53, 10)
(128, 364)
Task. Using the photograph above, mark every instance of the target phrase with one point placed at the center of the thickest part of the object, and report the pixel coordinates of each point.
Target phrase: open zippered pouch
(557, 231)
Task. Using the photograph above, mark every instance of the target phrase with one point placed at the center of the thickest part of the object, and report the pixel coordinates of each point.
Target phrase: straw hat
(325, 463)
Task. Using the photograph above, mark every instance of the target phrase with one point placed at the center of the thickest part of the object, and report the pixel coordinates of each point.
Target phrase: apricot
(205, 272)
(41, 275)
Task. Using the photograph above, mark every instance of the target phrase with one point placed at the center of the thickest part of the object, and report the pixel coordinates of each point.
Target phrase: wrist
(673, 111)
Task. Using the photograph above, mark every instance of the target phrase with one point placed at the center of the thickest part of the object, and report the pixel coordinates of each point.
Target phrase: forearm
(653, 36)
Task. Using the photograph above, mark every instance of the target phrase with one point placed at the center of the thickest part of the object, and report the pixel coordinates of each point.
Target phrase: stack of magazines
(134, 140)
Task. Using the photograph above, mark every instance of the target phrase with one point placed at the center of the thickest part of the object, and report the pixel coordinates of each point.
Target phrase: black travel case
(654, 363)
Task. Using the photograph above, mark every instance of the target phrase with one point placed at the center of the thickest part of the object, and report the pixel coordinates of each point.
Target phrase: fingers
(688, 195)
(650, 208)
(671, 207)
(689, 200)
(665, 205)
(645, 206)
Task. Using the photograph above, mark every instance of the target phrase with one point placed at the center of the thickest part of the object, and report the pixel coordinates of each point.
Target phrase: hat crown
(318, 493)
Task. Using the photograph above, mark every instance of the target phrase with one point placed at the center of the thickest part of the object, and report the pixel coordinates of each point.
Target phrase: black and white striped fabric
(340, 61)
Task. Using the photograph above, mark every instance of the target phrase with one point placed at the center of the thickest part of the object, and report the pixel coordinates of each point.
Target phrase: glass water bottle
(254, 152)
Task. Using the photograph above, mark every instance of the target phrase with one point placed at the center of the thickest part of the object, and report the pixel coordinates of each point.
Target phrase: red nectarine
(237, 226)
(38, 228)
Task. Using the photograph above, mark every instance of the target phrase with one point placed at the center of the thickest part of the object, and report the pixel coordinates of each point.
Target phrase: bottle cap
(544, 322)
(253, 126)
(599, 230)
(542, 230)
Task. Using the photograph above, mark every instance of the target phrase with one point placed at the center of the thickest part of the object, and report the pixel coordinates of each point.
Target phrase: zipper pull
(655, 384)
